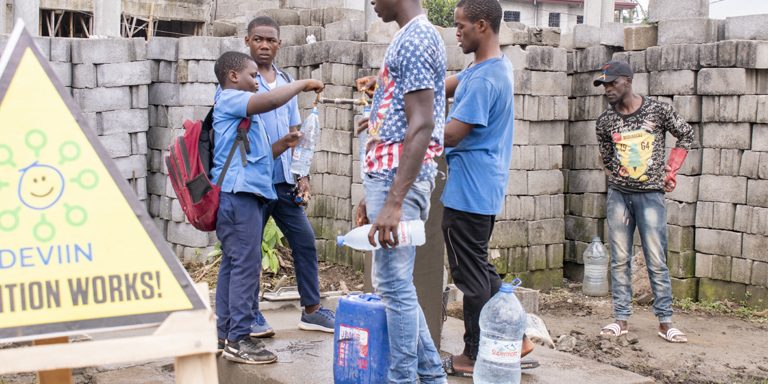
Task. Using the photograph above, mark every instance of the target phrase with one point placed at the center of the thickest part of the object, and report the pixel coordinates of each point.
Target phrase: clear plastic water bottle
(408, 233)
(595, 269)
(305, 149)
(362, 139)
(502, 325)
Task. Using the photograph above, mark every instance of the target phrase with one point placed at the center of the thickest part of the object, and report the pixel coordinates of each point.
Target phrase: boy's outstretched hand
(313, 85)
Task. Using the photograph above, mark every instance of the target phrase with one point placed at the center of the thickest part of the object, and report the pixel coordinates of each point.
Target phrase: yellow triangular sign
(78, 251)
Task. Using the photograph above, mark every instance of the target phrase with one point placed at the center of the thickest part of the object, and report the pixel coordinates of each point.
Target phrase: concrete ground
(307, 358)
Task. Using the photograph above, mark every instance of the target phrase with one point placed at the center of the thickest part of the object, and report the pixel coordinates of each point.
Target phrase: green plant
(270, 259)
(440, 12)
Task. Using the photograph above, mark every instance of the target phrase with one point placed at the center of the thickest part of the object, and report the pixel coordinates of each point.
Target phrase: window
(579, 19)
(554, 19)
(512, 16)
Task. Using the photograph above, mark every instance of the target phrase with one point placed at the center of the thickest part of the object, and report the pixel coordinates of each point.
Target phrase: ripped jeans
(647, 212)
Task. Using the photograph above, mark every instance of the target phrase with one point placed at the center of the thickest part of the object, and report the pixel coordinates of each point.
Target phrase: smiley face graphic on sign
(40, 186)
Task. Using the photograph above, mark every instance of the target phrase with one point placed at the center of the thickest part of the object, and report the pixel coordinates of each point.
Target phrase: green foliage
(272, 238)
(216, 251)
(440, 12)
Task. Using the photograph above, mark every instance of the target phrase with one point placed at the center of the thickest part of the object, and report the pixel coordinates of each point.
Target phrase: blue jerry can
(361, 341)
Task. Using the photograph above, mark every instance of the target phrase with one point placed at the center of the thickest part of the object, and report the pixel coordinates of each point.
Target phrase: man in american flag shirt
(405, 134)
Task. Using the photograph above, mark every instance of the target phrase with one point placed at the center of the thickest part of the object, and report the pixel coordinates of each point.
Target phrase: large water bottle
(502, 325)
(595, 269)
(305, 149)
(408, 233)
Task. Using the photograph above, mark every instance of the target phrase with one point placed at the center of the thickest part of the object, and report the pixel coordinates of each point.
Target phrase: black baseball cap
(611, 71)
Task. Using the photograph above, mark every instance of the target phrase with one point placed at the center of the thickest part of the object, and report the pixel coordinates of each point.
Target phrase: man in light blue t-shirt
(478, 141)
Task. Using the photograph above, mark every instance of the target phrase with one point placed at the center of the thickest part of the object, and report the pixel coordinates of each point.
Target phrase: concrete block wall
(528, 236)
(586, 182)
(109, 79)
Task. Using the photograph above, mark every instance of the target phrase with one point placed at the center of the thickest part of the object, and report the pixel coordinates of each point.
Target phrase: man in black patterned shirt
(631, 136)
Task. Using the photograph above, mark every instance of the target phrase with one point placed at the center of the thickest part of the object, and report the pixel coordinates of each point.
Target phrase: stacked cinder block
(528, 236)
(182, 89)
(336, 63)
(110, 80)
(586, 181)
(732, 209)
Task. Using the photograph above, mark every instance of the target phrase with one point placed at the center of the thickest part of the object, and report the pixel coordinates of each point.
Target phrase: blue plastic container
(361, 341)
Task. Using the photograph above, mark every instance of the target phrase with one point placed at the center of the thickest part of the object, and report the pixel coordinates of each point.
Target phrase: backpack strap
(241, 141)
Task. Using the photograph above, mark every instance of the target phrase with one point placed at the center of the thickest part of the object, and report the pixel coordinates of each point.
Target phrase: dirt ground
(722, 348)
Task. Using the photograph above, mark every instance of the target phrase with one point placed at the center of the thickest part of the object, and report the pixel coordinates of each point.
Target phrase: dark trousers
(466, 240)
(239, 227)
(293, 222)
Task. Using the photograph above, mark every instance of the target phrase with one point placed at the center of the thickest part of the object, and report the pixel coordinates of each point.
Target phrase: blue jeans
(293, 222)
(413, 355)
(646, 211)
(239, 227)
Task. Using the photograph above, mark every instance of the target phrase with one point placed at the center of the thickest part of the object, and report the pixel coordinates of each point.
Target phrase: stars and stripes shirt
(415, 60)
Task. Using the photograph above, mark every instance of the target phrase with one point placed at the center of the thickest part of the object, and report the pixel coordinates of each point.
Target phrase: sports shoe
(320, 320)
(260, 328)
(247, 351)
(222, 343)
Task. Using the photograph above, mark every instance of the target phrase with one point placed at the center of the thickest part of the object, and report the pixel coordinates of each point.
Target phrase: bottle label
(500, 351)
(402, 234)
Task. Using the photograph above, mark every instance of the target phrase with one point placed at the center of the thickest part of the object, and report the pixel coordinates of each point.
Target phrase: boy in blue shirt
(245, 193)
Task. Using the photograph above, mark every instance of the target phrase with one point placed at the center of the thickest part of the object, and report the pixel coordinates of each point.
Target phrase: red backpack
(189, 165)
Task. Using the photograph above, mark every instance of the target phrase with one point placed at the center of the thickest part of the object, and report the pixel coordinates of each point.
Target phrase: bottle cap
(510, 287)
(339, 240)
(596, 239)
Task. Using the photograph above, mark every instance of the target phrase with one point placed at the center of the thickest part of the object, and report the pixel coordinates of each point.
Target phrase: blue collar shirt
(277, 123)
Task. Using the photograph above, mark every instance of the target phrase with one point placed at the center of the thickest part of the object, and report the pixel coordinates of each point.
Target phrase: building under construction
(126, 18)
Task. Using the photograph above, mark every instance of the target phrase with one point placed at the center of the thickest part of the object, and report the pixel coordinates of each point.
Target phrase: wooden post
(196, 369)
(429, 266)
(57, 376)
(150, 22)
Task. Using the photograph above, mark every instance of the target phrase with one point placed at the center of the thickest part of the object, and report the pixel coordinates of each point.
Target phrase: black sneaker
(247, 351)
(222, 343)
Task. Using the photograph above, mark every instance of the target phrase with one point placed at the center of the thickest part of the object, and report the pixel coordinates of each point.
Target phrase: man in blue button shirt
(263, 40)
